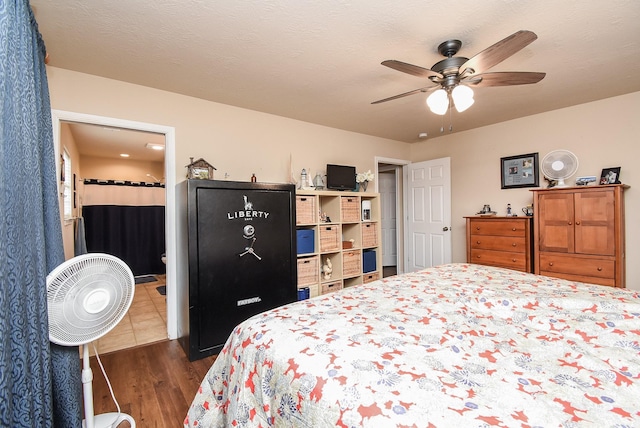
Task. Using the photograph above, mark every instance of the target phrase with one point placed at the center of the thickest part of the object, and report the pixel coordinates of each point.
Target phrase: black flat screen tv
(341, 177)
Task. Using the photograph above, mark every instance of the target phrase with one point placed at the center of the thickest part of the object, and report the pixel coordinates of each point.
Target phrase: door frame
(169, 132)
(401, 205)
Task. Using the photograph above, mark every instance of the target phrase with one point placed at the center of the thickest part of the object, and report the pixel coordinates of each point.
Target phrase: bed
(451, 346)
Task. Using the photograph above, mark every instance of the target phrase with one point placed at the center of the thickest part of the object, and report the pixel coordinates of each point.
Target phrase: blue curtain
(32, 372)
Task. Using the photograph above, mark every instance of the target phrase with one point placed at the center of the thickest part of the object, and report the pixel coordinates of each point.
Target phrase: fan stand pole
(87, 388)
(104, 420)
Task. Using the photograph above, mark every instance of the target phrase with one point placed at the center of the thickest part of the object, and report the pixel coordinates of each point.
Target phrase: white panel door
(388, 219)
(429, 214)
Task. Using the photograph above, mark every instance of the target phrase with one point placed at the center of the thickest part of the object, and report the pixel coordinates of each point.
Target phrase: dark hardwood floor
(155, 384)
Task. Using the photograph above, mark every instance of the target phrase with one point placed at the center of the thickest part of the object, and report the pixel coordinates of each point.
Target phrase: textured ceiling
(320, 61)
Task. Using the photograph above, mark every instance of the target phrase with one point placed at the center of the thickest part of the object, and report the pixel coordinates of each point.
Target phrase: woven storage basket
(369, 235)
(351, 263)
(330, 286)
(308, 270)
(329, 238)
(314, 290)
(350, 209)
(305, 209)
(370, 277)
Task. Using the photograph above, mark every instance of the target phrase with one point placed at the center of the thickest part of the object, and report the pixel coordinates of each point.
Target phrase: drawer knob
(513, 229)
(514, 245)
(577, 223)
(477, 227)
(478, 242)
(478, 256)
(550, 263)
(599, 269)
(570, 223)
(513, 260)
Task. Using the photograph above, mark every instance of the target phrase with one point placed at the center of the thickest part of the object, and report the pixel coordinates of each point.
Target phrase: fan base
(108, 420)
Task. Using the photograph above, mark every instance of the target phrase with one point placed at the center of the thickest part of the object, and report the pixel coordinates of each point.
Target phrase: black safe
(237, 241)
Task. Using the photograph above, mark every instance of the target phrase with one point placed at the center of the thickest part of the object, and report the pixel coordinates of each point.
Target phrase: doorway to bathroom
(152, 315)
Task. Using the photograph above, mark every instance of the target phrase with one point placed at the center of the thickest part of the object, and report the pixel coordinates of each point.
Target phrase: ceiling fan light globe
(438, 102)
(462, 97)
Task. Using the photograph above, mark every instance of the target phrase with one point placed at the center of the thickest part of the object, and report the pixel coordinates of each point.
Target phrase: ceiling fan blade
(498, 52)
(415, 91)
(414, 70)
(504, 78)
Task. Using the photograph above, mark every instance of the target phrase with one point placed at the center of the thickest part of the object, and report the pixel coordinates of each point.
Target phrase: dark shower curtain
(126, 220)
(134, 234)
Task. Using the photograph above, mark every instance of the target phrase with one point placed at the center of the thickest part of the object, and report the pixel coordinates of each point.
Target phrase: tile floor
(144, 323)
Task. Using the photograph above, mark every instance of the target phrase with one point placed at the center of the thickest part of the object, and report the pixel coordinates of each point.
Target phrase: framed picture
(519, 171)
(610, 176)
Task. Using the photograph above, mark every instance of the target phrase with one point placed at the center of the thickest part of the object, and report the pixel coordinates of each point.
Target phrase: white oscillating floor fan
(87, 296)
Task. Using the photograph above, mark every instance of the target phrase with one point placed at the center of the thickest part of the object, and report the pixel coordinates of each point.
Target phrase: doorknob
(444, 229)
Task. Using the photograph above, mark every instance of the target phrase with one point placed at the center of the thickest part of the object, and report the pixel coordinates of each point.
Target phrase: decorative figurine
(327, 268)
(305, 180)
(318, 183)
(200, 169)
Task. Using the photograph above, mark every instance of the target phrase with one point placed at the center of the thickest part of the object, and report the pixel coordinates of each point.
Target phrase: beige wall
(116, 169)
(602, 134)
(238, 142)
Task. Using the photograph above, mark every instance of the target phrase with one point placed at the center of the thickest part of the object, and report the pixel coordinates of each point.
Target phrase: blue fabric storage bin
(303, 293)
(368, 261)
(305, 241)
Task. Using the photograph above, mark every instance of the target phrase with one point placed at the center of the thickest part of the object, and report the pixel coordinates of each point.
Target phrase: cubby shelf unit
(332, 226)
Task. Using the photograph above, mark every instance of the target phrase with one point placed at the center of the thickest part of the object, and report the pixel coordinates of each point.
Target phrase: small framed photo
(519, 171)
(610, 176)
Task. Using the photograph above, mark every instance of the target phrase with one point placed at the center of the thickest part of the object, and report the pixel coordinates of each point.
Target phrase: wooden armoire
(579, 233)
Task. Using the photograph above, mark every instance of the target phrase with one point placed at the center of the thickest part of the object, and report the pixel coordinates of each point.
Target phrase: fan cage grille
(87, 297)
(568, 160)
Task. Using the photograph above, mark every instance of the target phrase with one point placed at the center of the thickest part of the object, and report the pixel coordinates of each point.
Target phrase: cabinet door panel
(556, 222)
(594, 219)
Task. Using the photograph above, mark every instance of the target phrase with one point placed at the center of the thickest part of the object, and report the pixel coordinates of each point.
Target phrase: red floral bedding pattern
(452, 346)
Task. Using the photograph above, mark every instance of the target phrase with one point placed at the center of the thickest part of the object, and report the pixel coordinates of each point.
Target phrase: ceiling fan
(453, 77)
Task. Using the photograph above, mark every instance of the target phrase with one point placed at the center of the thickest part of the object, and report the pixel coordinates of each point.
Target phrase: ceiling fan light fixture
(438, 102)
(462, 97)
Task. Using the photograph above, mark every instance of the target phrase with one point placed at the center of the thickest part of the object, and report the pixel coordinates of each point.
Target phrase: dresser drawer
(498, 227)
(510, 260)
(499, 243)
(575, 265)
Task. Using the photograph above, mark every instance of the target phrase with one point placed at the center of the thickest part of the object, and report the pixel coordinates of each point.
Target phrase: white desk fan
(87, 296)
(559, 165)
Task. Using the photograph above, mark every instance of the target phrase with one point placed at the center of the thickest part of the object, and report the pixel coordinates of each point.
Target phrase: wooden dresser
(500, 241)
(579, 233)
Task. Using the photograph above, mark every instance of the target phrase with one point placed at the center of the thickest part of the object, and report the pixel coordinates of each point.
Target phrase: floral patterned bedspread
(453, 346)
